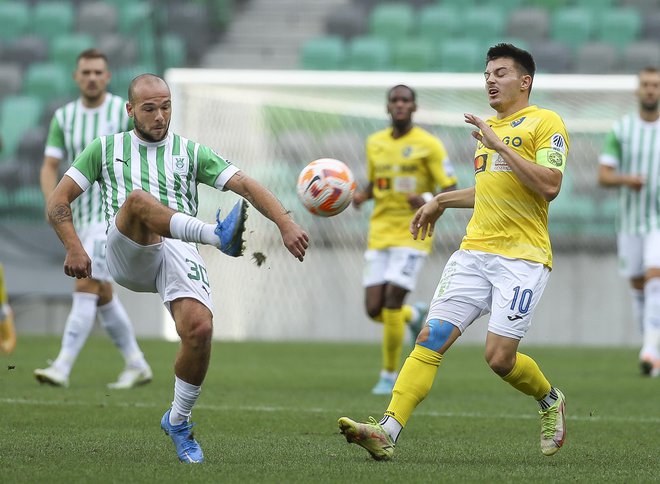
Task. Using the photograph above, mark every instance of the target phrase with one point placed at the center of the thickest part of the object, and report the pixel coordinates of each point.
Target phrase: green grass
(268, 413)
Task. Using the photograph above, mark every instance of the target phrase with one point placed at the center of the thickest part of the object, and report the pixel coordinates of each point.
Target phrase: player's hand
(636, 182)
(423, 223)
(77, 264)
(358, 199)
(295, 239)
(487, 136)
(415, 200)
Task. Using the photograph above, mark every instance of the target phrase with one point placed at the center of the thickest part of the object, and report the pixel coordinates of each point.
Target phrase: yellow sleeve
(552, 142)
(439, 165)
(370, 164)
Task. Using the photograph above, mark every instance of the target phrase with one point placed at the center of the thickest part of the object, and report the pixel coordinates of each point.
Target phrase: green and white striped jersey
(633, 148)
(169, 170)
(75, 126)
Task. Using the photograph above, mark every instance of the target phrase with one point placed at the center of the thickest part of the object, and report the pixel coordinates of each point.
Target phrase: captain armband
(551, 158)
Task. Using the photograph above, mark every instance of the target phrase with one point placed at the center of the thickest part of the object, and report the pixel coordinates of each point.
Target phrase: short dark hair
(523, 59)
(91, 54)
(412, 91)
(648, 70)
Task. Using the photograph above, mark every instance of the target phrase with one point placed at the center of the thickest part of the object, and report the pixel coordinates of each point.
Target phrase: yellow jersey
(416, 162)
(509, 219)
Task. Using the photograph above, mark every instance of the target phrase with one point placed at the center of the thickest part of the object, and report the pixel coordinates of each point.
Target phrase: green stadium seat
(506, 6)
(547, 4)
(458, 4)
(323, 53)
(595, 5)
(121, 78)
(415, 55)
(368, 54)
(391, 21)
(619, 27)
(484, 23)
(14, 19)
(173, 51)
(18, 114)
(461, 55)
(438, 22)
(135, 17)
(52, 19)
(223, 11)
(572, 26)
(64, 50)
(47, 80)
(29, 201)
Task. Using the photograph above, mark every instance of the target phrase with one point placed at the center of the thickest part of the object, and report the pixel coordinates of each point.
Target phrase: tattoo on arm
(60, 213)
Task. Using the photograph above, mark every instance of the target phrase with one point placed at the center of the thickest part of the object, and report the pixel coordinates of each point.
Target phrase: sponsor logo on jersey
(517, 121)
(498, 164)
(558, 143)
(383, 183)
(480, 163)
(514, 317)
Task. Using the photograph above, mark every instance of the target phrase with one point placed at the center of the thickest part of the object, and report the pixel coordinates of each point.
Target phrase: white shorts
(172, 268)
(476, 283)
(93, 239)
(637, 253)
(396, 265)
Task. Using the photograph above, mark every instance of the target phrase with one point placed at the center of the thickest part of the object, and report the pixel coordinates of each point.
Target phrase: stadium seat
(347, 21)
(14, 18)
(25, 51)
(11, 79)
(531, 24)
(483, 23)
(458, 4)
(121, 51)
(619, 26)
(547, 4)
(644, 6)
(652, 26)
(438, 22)
(506, 6)
(52, 19)
(414, 55)
(18, 114)
(596, 58)
(639, 55)
(323, 53)
(552, 57)
(47, 80)
(30, 151)
(368, 54)
(223, 12)
(135, 17)
(461, 55)
(191, 22)
(123, 77)
(97, 18)
(595, 5)
(64, 50)
(29, 201)
(173, 51)
(573, 26)
(391, 21)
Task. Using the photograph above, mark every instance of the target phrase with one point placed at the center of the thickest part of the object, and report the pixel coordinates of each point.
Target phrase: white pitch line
(277, 409)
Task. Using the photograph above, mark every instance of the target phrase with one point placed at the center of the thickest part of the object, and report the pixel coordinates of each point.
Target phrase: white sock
(189, 229)
(185, 396)
(391, 426)
(118, 325)
(651, 335)
(638, 307)
(76, 330)
(390, 375)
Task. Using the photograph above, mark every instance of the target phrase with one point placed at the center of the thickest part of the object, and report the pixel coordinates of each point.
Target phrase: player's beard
(142, 133)
(650, 106)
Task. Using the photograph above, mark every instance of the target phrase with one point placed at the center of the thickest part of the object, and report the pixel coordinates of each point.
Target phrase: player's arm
(294, 237)
(608, 176)
(361, 196)
(58, 207)
(54, 152)
(542, 180)
(423, 223)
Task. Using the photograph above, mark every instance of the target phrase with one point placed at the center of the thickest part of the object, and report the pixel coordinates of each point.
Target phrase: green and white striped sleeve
(55, 146)
(212, 169)
(611, 154)
(86, 168)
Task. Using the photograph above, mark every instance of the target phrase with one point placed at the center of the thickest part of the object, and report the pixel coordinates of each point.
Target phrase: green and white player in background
(631, 161)
(75, 125)
(149, 179)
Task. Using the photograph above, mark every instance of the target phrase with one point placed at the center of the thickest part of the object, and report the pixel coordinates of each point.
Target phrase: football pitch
(268, 413)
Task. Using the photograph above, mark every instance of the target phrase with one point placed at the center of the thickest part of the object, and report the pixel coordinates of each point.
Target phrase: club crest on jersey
(558, 143)
(517, 121)
(407, 151)
(180, 164)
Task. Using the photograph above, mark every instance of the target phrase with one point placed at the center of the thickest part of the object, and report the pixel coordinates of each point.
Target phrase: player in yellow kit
(405, 166)
(7, 330)
(504, 261)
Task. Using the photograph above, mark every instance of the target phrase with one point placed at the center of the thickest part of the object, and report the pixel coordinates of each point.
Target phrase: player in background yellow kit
(7, 330)
(405, 166)
(504, 261)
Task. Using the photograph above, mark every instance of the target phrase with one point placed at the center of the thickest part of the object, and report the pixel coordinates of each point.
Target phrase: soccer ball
(326, 186)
